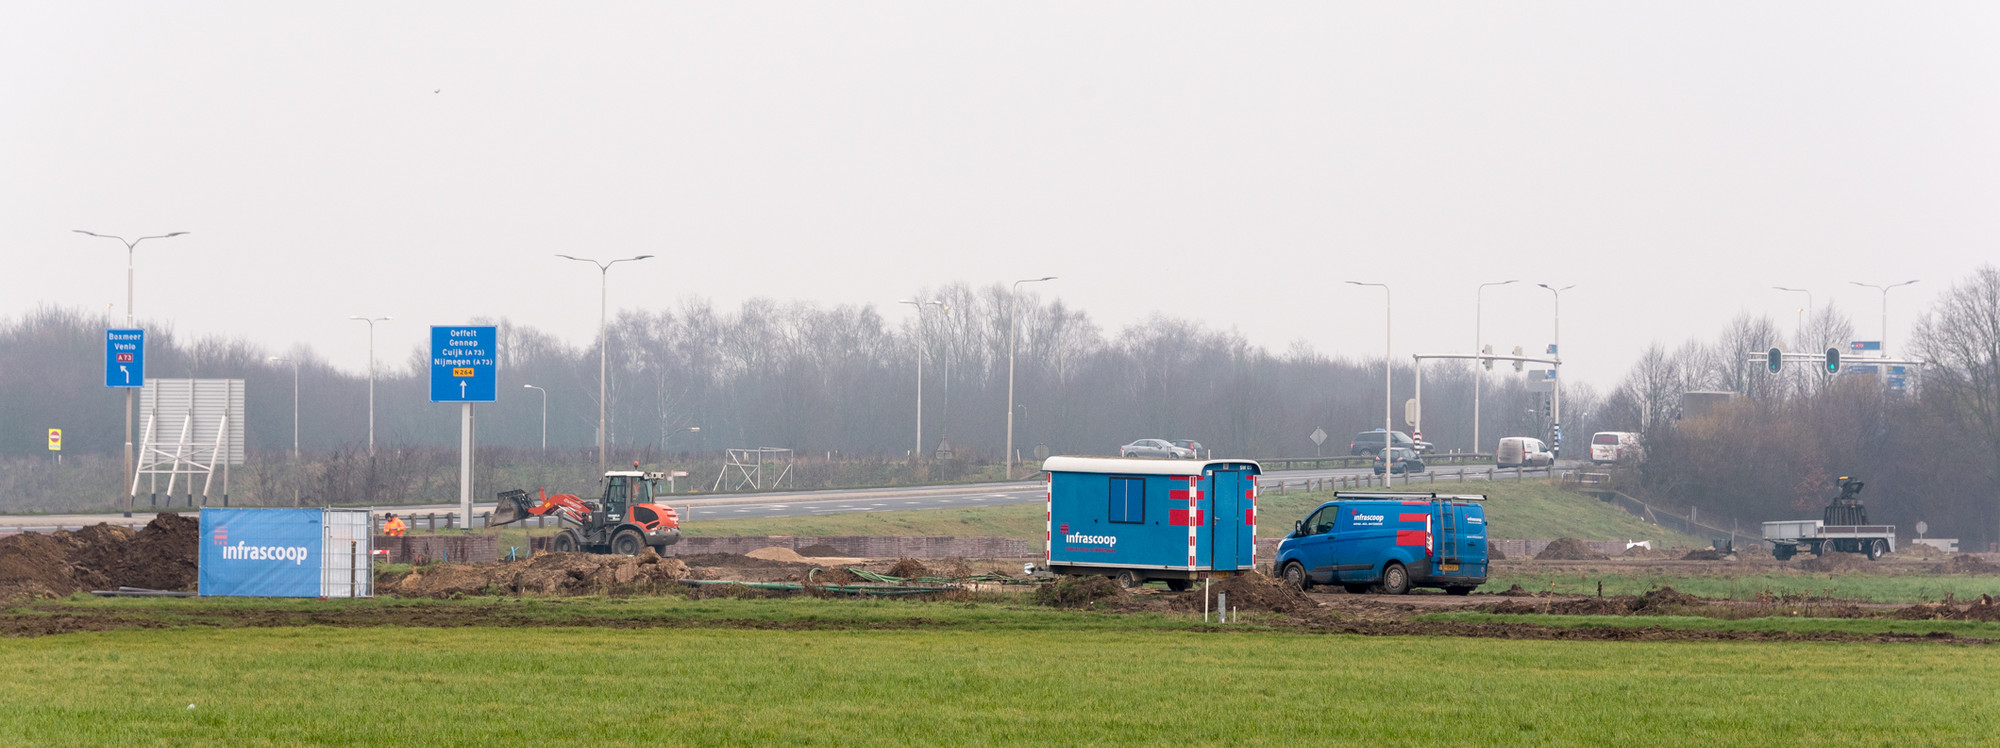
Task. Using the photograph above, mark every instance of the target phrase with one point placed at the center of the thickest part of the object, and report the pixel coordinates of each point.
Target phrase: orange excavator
(624, 521)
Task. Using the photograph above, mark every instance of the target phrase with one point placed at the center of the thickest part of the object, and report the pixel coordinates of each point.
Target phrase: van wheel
(1395, 580)
(1129, 579)
(1295, 575)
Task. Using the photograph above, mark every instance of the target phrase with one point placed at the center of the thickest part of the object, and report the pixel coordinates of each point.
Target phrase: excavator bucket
(512, 507)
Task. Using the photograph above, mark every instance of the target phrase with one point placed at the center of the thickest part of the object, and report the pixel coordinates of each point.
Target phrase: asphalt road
(698, 508)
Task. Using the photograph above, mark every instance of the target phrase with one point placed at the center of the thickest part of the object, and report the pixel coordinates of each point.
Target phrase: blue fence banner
(261, 552)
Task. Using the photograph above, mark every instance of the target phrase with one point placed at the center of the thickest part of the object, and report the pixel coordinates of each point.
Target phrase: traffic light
(1545, 408)
(1487, 362)
(1518, 364)
(1833, 360)
(1773, 360)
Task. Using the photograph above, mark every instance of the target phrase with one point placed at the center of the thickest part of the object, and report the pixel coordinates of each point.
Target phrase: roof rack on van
(1409, 495)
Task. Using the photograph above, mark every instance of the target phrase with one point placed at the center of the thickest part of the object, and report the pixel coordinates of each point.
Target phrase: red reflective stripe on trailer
(1179, 518)
(1413, 518)
(1250, 516)
(1181, 494)
(1412, 537)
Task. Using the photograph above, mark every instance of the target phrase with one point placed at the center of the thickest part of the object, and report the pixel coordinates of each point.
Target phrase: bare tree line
(1931, 454)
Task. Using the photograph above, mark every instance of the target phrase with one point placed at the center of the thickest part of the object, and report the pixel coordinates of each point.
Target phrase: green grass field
(973, 686)
(1529, 509)
(1802, 625)
(1853, 586)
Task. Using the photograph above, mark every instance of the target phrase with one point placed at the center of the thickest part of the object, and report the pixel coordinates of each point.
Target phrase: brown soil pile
(1640, 551)
(830, 576)
(1078, 592)
(1966, 563)
(1834, 562)
(1663, 601)
(1569, 549)
(547, 574)
(775, 553)
(1707, 554)
(908, 568)
(162, 556)
(1983, 609)
(1516, 591)
(733, 561)
(1493, 553)
(1921, 550)
(818, 549)
(1252, 592)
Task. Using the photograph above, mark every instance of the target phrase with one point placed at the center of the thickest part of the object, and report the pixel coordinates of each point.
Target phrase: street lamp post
(1556, 393)
(1011, 298)
(1478, 347)
(295, 422)
(920, 304)
(371, 377)
(1885, 308)
(1388, 397)
(131, 479)
(603, 342)
(545, 416)
(1803, 313)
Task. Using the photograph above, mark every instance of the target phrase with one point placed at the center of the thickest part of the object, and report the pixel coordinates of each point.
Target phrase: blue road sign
(124, 358)
(464, 364)
(1864, 345)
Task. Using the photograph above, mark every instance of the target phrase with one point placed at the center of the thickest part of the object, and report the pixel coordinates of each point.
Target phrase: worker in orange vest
(394, 527)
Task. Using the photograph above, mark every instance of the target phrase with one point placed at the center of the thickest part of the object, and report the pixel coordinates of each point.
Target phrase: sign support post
(464, 370)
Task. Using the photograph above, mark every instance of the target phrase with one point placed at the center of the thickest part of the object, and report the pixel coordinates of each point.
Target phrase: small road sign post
(125, 358)
(1319, 437)
(465, 369)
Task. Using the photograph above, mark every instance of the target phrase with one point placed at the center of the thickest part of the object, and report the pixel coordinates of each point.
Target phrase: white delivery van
(1522, 451)
(1607, 447)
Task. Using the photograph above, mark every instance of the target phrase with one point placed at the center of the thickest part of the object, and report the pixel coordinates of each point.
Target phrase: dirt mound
(1516, 591)
(1077, 592)
(1834, 562)
(1569, 549)
(1662, 601)
(1983, 609)
(1707, 554)
(1493, 553)
(1640, 551)
(733, 561)
(775, 553)
(818, 549)
(547, 574)
(831, 576)
(1920, 550)
(1966, 563)
(166, 555)
(100, 556)
(909, 568)
(1252, 592)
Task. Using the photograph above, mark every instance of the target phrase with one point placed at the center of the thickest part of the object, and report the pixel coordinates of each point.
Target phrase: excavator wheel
(628, 542)
(565, 542)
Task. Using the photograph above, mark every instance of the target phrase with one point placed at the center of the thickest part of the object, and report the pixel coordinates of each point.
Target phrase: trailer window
(1128, 500)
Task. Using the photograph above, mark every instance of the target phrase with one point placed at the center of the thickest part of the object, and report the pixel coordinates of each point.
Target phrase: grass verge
(1749, 586)
(1871, 626)
(558, 687)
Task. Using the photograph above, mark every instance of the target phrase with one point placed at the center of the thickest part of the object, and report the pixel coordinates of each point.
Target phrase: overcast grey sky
(1226, 162)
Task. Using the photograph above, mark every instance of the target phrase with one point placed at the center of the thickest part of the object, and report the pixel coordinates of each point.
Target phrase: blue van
(1384, 541)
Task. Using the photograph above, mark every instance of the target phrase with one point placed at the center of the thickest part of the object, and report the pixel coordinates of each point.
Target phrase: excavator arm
(514, 506)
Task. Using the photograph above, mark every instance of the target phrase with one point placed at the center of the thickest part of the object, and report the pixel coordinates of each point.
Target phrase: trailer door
(1226, 505)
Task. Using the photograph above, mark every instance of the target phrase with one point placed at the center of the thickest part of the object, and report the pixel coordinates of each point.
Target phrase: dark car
(1406, 461)
(1370, 442)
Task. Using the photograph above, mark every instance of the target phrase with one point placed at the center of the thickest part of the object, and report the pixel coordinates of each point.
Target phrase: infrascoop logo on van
(1091, 540)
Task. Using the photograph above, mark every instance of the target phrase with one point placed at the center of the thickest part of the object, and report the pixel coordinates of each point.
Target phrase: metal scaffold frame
(749, 464)
(205, 418)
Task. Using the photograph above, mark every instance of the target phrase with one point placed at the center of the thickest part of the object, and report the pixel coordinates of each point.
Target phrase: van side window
(1322, 521)
(1128, 500)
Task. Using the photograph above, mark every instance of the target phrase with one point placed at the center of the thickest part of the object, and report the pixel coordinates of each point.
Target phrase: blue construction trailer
(1135, 519)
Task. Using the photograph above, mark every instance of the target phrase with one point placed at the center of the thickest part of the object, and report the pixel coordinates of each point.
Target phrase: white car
(1155, 448)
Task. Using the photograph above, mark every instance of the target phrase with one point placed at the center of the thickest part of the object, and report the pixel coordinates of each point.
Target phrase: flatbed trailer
(1845, 529)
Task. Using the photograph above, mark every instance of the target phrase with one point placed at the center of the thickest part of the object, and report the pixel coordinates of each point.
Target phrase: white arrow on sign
(127, 372)
(461, 389)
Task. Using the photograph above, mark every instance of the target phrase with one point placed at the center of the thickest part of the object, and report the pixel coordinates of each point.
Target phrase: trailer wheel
(627, 542)
(1784, 552)
(1295, 575)
(1129, 579)
(565, 542)
(1826, 548)
(1878, 549)
(1395, 580)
